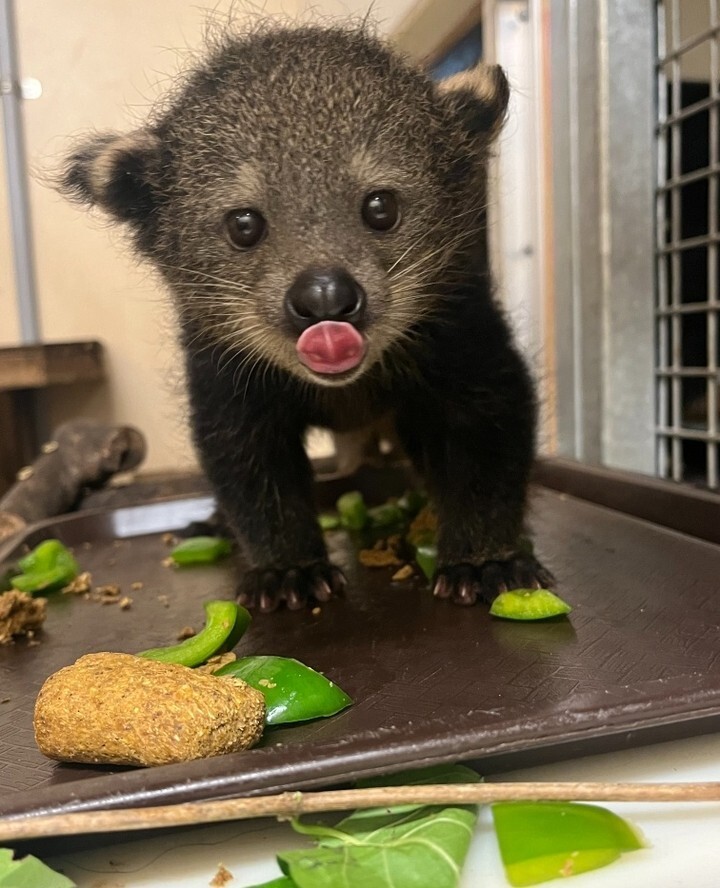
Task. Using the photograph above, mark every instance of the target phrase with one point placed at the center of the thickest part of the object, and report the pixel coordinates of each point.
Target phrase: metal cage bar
(687, 302)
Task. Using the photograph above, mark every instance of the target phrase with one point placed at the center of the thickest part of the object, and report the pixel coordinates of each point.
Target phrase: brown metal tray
(638, 661)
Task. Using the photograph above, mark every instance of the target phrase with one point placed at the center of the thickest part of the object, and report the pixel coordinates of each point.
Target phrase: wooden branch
(292, 804)
(83, 453)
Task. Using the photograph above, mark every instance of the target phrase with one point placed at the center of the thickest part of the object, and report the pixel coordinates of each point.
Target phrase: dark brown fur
(302, 124)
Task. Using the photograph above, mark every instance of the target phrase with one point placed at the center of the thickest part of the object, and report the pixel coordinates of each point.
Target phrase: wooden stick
(292, 804)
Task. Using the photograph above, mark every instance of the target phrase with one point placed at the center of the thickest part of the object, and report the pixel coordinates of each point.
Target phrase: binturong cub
(316, 205)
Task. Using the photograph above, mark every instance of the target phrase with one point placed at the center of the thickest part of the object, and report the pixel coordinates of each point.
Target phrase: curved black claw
(464, 584)
(298, 587)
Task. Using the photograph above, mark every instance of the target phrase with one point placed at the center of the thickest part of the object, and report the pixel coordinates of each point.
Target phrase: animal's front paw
(298, 587)
(466, 583)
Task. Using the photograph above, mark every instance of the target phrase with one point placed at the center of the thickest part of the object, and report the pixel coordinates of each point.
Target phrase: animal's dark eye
(381, 210)
(245, 228)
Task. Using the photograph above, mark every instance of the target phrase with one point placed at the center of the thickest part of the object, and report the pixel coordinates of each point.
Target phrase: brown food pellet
(424, 524)
(20, 614)
(164, 600)
(168, 562)
(378, 558)
(316, 611)
(185, 632)
(125, 603)
(136, 586)
(111, 708)
(168, 539)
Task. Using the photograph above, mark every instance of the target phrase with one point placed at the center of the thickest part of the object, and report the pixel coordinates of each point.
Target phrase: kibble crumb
(316, 611)
(185, 632)
(378, 558)
(136, 586)
(80, 585)
(221, 877)
(125, 602)
(404, 573)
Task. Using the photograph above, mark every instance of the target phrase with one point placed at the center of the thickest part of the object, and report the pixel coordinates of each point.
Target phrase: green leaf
(409, 846)
(200, 550)
(528, 604)
(293, 691)
(540, 841)
(29, 872)
(280, 882)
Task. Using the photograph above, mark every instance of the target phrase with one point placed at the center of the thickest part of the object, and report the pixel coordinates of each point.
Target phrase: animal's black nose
(324, 294)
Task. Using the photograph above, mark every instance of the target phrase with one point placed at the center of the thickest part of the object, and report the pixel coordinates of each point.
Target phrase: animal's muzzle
(324, 294)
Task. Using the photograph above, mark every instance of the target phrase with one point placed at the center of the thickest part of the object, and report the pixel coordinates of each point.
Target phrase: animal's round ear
(479, 98)
(118, 173)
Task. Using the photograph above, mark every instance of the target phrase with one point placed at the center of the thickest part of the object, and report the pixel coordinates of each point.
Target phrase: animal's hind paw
(464, 584)
(297, 587)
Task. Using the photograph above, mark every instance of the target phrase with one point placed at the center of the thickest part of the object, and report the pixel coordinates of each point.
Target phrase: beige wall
(694, 19)
(101, 62)
(9, 323)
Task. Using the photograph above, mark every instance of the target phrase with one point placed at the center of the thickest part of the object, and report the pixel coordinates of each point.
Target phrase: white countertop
(685, 838)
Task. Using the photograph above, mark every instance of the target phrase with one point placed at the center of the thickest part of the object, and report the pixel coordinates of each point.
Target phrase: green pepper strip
(225, 622)
(293, 691)
(201, 550)
(49, 566)
(352, 509)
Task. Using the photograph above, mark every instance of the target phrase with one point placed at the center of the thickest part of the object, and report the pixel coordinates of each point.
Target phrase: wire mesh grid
(688, 241)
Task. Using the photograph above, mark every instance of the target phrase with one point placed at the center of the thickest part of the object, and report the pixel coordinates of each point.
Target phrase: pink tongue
(331, 347)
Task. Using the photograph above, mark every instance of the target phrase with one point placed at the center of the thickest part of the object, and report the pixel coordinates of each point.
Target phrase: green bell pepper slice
(352, 510)
(426, 556)
(293, 692)
(225, 623)
(49, 566)
(412, 501)
(528, 604)
(540, 841)
(200, 550)
(328, 521)
(386, 515)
